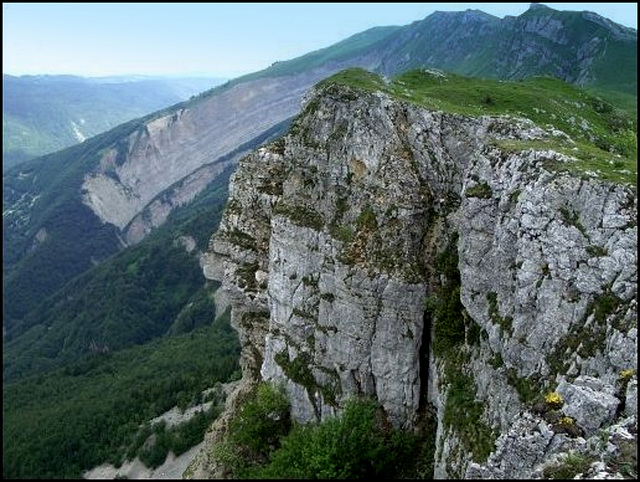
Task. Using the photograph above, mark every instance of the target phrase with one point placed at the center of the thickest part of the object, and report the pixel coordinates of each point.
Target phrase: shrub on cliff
(355, 445)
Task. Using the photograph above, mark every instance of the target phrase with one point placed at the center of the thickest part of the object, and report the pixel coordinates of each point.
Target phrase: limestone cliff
(404, 253)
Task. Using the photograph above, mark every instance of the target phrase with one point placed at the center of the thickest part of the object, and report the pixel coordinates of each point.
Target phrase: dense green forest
(133, 297)
(43, 194)
(118, 345)
(89, 412)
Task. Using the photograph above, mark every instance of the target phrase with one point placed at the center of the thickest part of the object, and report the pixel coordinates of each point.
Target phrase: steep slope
(128, 339)
(459, 258)
(578, 47)
(127, 181)
(152, 290)
(45, 113)
(113, 190)
(97, 409)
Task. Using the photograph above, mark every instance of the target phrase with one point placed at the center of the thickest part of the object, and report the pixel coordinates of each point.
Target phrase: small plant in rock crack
(553, 400)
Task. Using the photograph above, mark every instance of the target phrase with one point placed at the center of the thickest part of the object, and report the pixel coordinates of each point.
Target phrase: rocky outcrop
(339, 239)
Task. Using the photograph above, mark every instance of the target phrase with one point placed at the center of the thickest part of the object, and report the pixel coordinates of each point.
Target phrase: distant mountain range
(45, 113)
(582, 48)
(68, 211)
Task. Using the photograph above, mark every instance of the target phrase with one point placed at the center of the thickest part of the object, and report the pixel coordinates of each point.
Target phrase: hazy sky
(220, 39)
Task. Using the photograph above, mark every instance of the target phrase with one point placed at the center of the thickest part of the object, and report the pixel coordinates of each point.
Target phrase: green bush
(156, 452)
(367, 219)
(262, 443)
(464, 413)
(177, 439)
(262, 421)
(351, 446)
(482, 190)
(568, 467)
(444, 306)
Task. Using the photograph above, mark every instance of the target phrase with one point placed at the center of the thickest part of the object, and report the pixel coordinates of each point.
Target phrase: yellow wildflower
(553, 399)
(566, 421)
(627, 374)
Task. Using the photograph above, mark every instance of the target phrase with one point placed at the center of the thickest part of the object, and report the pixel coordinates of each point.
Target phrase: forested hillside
(121, 344)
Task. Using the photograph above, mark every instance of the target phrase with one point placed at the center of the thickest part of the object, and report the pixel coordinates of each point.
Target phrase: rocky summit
(438, 262)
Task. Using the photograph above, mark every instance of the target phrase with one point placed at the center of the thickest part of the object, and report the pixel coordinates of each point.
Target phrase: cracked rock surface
(328, 248)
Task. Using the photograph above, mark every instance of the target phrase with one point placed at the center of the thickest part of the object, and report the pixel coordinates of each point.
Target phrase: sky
(213, 39)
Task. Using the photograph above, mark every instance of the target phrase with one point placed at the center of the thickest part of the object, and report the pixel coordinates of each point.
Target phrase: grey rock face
(527, 443)
(351, 347)
(329, 246)
(631, 405)
(590, 402)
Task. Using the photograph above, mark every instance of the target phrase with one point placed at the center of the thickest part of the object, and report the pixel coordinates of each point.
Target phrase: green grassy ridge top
(347, 49)
(604, 137)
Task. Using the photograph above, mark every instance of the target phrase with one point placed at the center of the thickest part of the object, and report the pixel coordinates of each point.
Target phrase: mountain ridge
(45, 113)
(120, 175)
